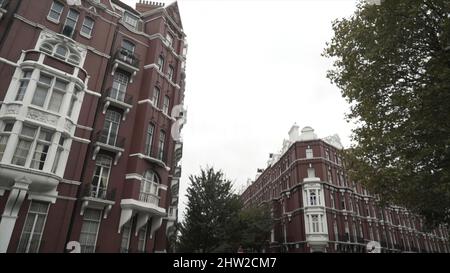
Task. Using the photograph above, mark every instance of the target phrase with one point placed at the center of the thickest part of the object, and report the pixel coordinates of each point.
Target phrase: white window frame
(131, 20)
(156, 95)
(34, 214)
(52, 8)
(161, 144)
(98, 222)
(70, 20)
(149, 139)
(104, 164)
(51, 88)
(5, 133)
(85, 25)
(166, 104)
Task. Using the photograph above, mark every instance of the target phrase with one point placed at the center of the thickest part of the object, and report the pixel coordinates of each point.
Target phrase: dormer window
(130, 20)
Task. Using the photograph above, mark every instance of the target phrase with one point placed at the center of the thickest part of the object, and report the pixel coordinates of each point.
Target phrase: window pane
(56, 10)
(88, 25)
(55, 101)
(61, 51)
(39, 96)
(45, 79)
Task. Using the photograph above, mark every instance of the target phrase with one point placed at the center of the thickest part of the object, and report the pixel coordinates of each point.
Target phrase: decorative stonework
(12, 109)
(68, 126)
(42, 117)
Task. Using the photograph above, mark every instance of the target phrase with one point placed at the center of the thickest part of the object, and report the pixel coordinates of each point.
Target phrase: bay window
(24, 81)
(49, 93)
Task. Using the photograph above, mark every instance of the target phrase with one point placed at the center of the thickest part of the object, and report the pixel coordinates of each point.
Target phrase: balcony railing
(127, 57)
(105, 137)
(119, 95)
(149, 198)
(99, 192)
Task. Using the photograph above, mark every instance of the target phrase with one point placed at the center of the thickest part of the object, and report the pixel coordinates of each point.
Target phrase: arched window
(149, 188)
(61, 50)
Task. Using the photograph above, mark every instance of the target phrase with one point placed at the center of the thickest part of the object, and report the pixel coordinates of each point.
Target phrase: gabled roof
(174, 13)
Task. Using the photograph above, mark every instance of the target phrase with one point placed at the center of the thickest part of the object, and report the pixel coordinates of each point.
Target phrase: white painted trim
(135, 176)
(6, 61)
(71, 182)
(93, 93)
(84, 127)
(81, 140)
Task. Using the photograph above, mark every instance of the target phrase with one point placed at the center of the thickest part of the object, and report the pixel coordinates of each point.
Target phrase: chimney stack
(143, 6)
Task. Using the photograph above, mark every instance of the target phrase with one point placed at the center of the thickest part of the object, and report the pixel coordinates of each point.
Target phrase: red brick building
(91, 99)
(317, 208)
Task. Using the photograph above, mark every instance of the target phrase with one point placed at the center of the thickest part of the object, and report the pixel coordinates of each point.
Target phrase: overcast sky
(253, 69)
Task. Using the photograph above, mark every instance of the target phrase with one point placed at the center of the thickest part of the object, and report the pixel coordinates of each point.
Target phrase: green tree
(392, 63)
(215, 220)
(211, 205)
(255, 224)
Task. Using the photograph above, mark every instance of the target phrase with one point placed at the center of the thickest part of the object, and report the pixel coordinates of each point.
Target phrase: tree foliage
(215, 220)
(392, 63)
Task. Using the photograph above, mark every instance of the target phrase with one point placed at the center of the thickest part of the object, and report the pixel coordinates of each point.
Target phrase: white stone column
(10, 214)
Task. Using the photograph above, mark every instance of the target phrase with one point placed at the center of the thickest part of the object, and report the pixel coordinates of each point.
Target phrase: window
(162, 139)
(128, 46)
(149, 188)
(160, 63)
(335, 229)
(169, 39)
(68, 54)
(101, 176)
(89, 230)
(71, 22)
(130, 20)
(309, 153)
(342, 202)
(170, 73)
(27, 136)
(126, 235)
(315, 223)
(110, 128)
(4, 136)
(350, 204)
(166, 105)
(23, 85)
(55, 11)
(59, 151)
(40, 152)
(156, 93)
(142, 236)
(33, 228)
(149, 139)
(332, 199)
(329, 175)
(49, 93)
(87, 27)
(119, 87)
(312, 198)
(327, 155)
